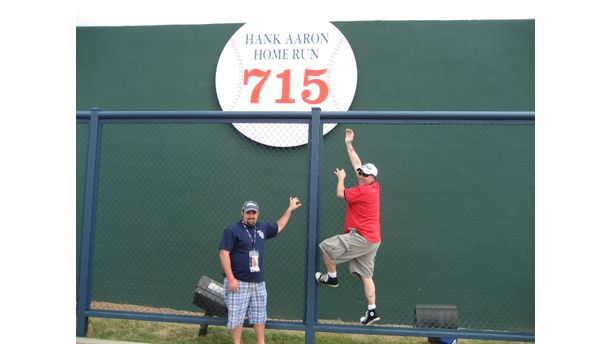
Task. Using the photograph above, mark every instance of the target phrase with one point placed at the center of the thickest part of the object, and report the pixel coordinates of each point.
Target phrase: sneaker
(370, 317)
(325, 279)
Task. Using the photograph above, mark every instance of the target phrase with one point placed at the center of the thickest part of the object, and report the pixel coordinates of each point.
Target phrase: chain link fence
(457, 208)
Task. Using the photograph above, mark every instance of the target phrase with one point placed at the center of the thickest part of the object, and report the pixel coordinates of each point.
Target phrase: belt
(353, 230)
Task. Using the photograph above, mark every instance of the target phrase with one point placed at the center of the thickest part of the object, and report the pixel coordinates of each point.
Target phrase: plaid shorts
(251, 297)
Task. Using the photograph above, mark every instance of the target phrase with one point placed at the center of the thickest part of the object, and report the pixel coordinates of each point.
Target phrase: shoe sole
(372, 321)
(330, 285)
(326, 284)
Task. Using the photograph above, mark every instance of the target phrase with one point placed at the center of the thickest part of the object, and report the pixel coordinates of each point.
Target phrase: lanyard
(254, 237)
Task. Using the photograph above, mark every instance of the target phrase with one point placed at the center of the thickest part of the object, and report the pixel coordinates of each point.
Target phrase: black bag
(210, 296)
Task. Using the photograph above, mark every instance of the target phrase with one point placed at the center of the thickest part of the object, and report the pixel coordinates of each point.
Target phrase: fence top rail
(306, 115)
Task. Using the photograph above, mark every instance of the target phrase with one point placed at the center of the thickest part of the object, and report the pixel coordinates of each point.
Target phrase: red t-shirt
(363, 211)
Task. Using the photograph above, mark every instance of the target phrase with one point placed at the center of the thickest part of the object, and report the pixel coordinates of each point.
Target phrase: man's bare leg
(329, 264)
(369, 289)
(259, 333)
(237, 334)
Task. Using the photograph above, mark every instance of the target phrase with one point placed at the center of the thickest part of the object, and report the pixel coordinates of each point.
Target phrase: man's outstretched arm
(352, 153)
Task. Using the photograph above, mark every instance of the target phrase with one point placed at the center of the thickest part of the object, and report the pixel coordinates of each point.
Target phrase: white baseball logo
(285, 67)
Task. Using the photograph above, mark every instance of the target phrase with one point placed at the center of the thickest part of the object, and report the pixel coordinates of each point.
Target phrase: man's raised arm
(348, 139)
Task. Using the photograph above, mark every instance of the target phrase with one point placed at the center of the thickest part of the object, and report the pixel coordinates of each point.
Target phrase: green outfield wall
(457, 199)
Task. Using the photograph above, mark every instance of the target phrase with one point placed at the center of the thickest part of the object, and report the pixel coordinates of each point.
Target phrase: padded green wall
(408, 65)
(457, 200)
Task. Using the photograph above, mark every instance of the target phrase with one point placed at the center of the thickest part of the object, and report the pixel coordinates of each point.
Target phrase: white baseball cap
(369, 168)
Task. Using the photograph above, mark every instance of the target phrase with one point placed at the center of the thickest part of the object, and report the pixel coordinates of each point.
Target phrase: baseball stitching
(330, 74)
(240, 74)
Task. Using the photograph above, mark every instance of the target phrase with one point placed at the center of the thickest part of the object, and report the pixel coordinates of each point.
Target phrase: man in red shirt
(361, 235)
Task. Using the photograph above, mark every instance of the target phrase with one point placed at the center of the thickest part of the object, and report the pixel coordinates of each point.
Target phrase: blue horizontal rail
(426, 332)
(332, 328)
(188, 319)
(230, 116)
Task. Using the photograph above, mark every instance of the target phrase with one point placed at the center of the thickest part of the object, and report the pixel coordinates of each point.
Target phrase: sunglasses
(363, 174)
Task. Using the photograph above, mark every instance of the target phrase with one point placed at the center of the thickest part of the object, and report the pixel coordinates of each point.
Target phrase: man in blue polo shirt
(241, 253)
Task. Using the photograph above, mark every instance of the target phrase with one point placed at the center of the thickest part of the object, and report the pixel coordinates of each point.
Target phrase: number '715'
(309, 79)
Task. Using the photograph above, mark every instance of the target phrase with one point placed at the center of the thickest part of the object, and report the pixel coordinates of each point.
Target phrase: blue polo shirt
(239, 239)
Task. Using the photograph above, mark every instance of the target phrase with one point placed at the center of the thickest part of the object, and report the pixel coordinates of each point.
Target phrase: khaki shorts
(354, 249)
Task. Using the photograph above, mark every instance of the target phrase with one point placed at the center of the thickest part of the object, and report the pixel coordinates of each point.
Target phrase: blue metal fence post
(316, 139)
(86, 260)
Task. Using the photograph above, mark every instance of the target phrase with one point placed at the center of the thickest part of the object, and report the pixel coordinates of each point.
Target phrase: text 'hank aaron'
(277, 38)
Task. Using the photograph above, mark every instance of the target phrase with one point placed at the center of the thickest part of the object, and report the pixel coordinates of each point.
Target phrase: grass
(171, 333)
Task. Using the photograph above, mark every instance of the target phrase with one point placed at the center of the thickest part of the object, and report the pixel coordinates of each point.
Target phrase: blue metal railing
(326, 116)
(316, 118)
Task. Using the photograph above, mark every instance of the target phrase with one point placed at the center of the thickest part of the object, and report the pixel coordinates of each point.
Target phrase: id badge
(254, 257)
